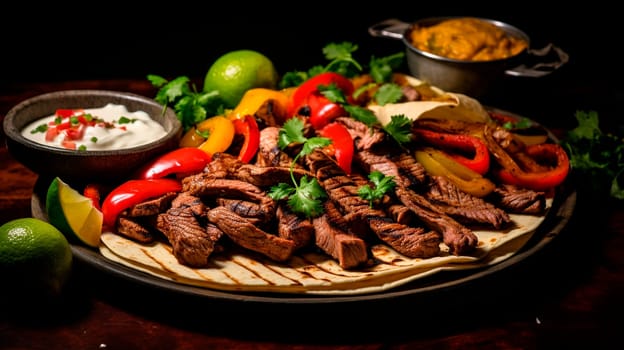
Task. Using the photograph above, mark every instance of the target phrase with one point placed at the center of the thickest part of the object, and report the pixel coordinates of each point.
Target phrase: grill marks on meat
(457, 237)
(294, 228)
(414, 242)
(342, 190)
(464, 207)
(269, 153)
(350, 251)
(407, 172)
(363, 136)
(134, 230)
(518, 200)
(192, 243)
(249, 236)
(138, 221)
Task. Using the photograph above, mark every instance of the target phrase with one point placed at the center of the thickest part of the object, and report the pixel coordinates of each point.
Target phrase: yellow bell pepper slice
(436, 163)
(220, 132)
(253, 99)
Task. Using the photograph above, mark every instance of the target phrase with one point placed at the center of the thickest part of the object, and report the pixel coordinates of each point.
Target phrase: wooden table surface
(567, 295)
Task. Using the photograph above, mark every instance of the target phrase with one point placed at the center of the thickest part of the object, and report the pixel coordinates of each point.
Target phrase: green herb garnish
(382, 184)
(596, 155)
(306, 196)
(191, 106)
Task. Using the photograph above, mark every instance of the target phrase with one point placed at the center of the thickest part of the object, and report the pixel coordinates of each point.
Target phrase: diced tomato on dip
(95, 129)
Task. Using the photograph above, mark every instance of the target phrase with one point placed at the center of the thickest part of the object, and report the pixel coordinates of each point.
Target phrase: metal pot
(473, 78)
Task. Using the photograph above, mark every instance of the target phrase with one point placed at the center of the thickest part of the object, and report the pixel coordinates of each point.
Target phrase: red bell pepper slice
(93, 192)
(181, 162)
(538, 180)
(320, 109)
(248, 127)
(464, 144)
(342, 143)
(133, 192)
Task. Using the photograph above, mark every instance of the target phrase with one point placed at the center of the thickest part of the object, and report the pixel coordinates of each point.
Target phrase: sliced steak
(191, 243)
(253, 212)
(249, 236)
(342, 190)
(131, 228)
(407, 172)
(518, 200)
(269, 153)
(348, 250)
(153, 206)
(294, 228)
(365, 137)
(464, 207)
(413, 242)
(456, 236)
(265, 176)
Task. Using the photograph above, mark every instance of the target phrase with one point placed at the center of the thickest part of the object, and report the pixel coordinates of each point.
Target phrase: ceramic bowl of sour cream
(89, 135)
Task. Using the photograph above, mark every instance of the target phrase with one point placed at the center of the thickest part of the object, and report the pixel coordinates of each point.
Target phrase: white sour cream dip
(111, 127)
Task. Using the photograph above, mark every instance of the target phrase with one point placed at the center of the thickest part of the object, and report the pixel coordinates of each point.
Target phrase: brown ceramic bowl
(73, 165)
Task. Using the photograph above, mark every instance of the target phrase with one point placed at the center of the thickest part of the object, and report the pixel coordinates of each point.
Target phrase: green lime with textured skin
(235, 72)
(35, 257)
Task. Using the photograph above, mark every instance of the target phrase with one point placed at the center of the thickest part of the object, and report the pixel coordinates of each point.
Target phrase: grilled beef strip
(268, 175)
(401, 213)
(133, 229)
(348, 250)
(338, 220)
(407, 172)
(192, 243)
(456, 236)
(294, 228)
(251, 211)
(138, 221)
(365, 137)
(518, 200)
(153, 206)
(269, 153)
(226, 166)
(249, 236)
(341, 189)
(464, 207)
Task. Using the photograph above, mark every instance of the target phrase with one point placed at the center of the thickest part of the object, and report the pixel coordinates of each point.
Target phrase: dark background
(125, 41)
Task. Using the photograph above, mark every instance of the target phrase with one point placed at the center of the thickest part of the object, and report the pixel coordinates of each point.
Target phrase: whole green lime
(235, 72)
(35, 257)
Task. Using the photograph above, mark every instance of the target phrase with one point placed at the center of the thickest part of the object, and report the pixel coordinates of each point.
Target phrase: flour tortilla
(314, 272)
(317, 273)
(455, 107)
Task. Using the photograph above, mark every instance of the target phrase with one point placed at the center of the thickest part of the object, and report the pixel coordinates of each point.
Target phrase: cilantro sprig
(304, 197)
(190, 106)
(342, 60)
(596, 155)
(399, 127)
(382, 184)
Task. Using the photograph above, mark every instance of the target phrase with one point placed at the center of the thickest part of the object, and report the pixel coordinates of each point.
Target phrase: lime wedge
(73, 214)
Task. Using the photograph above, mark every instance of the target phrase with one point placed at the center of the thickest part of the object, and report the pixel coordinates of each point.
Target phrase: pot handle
(390, 28)
(539, 68)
